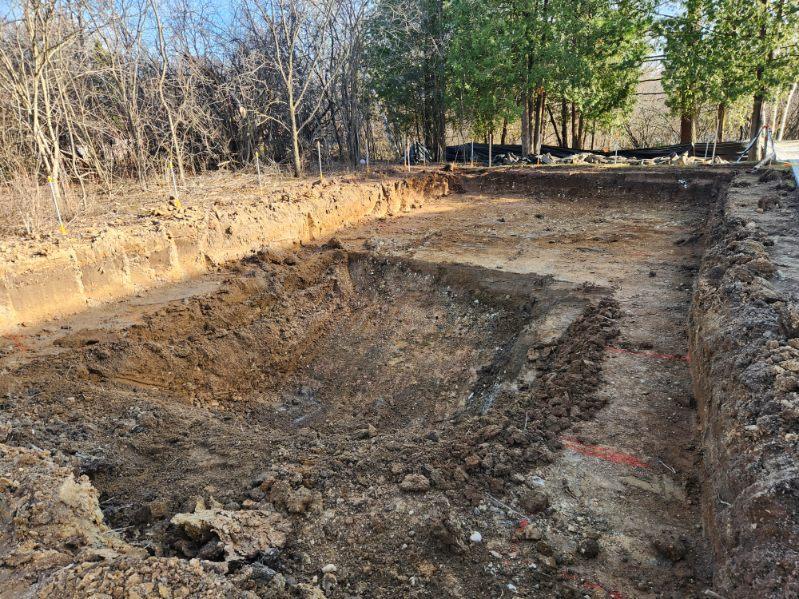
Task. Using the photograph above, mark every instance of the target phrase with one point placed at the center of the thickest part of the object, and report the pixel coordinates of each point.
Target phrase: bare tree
(297, 33)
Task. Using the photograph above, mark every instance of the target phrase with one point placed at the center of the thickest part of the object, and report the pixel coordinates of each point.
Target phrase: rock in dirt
(449, 533)
(415, 483)
(295, 502)
(588, 548)
(64, 526)
(671, 548)
(529, 533)
(534, 501)
(243, 534)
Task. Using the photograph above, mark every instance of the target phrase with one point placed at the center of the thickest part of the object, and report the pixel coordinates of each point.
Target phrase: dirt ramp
(163, 246)
(744, 336)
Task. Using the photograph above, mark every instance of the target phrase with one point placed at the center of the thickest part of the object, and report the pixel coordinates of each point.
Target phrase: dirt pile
(55, 541)
(745, 361)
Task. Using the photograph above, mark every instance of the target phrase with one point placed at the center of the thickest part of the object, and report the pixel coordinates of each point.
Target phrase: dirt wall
(744, 349)
(38, 283)
(676, 183)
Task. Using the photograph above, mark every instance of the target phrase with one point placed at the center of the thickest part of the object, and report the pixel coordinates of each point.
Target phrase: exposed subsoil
(489, 397)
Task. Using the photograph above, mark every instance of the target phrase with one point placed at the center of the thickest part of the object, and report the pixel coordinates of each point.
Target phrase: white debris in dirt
(476, 537)
(58, 545)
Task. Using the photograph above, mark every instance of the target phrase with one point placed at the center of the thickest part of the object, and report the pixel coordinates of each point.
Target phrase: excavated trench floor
(509, 362)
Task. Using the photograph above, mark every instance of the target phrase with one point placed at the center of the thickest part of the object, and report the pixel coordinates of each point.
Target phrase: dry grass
(27, 210)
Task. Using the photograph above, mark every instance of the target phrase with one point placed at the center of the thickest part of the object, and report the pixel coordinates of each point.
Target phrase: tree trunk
(581, 132)
(525, 126)
(504, 134)
(554, 126)
(539, 121)
(295, 139)
(687, 129)
(575, 139)
(786, 112)
(564, 127)
(757, 123)
(721, 122)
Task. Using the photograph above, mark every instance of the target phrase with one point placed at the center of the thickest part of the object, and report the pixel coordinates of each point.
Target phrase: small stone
(671, 548)
(329, 568)
(415, 483)
(530, 533)
(476, 537)
(534, 501)
(588, 548)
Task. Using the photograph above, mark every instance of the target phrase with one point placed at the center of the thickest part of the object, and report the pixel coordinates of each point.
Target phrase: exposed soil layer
(745, 361)
(49, 277)
(489, 396)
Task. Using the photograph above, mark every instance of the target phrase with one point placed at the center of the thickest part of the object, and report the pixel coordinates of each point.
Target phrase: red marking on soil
(17, 342)
(589, 585)
(603, 453)
(649, 354)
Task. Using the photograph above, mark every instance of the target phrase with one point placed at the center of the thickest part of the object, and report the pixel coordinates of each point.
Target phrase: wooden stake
(490, 147)
(319, 155)
(258, 168)
(54, 195)
(174, 183)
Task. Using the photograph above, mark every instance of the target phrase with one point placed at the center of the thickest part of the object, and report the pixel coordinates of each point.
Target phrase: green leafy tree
(482, 64)
(598, 48)
(686, 65)
(406, 43)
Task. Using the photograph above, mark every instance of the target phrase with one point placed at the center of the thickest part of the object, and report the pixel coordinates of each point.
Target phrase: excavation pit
(327, 350)
(509, 364)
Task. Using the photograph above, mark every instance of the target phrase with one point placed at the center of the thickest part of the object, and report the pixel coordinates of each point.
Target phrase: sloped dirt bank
(674, 184)
(66, 275)
(744, 344)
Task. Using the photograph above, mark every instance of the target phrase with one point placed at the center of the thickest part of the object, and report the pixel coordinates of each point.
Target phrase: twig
(673, 471)
(504, 505)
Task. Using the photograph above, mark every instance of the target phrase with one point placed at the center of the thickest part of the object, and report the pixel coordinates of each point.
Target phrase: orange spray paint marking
(649, 354)
(601, 452)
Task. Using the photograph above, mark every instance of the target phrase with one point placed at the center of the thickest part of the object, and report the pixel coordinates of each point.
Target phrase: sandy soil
(505, 365)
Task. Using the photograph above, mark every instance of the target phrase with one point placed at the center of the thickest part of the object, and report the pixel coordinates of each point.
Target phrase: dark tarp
(728, 150)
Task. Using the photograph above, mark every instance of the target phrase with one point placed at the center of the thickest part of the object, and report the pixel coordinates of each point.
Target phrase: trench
(514, 356)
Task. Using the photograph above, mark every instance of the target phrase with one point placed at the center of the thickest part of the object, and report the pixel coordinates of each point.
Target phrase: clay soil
(487, 397)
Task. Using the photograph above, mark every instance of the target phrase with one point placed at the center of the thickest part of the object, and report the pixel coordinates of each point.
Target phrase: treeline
(575, 65)
(101, 89)
(721, 52)
(106, 88)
